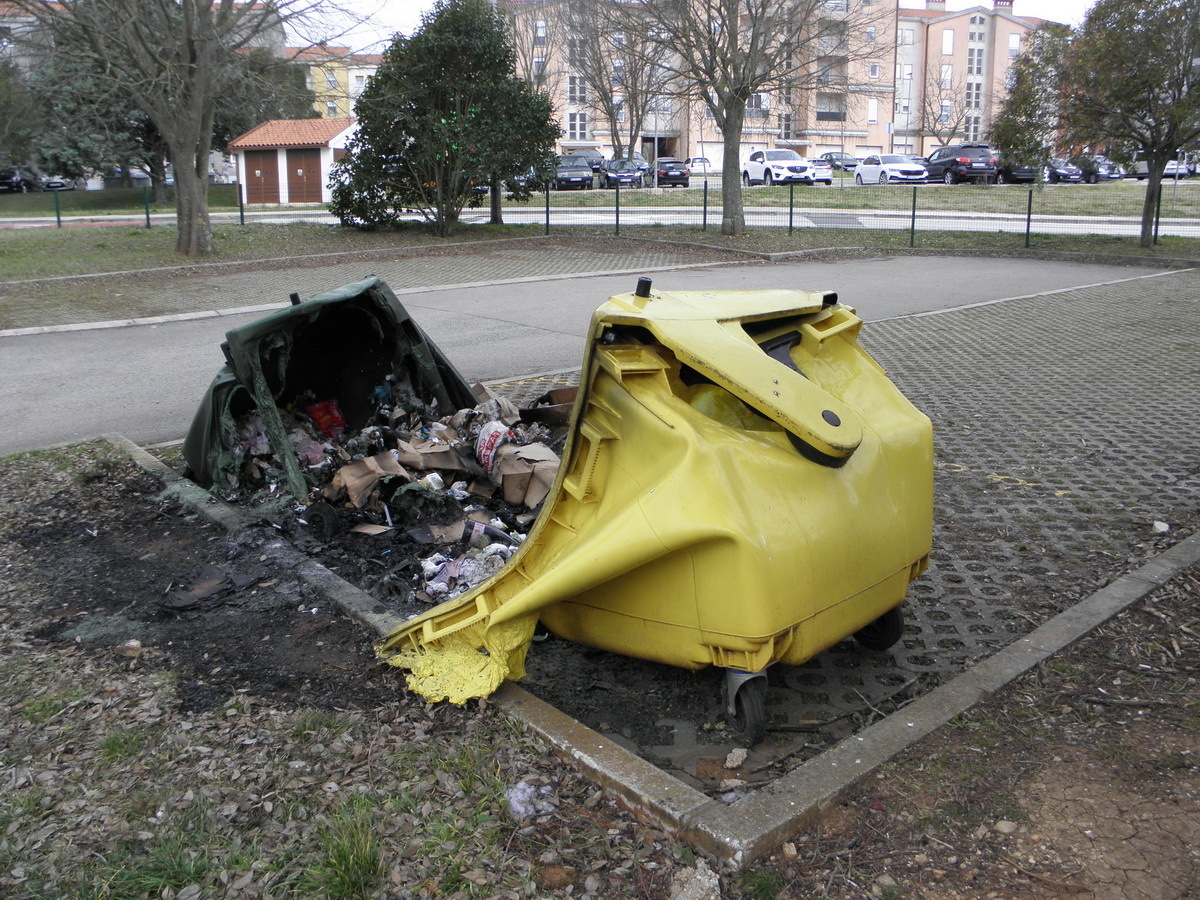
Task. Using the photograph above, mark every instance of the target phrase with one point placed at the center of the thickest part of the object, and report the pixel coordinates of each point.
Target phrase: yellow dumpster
(742, 485)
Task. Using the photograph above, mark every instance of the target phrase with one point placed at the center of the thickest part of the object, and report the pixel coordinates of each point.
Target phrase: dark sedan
(669, 171)
(1060, 171)
(1098, 168)
(20, 181)
(573, 172)
(621, 171)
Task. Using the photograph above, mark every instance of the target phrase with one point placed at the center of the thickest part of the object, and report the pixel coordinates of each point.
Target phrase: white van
(1176, 168)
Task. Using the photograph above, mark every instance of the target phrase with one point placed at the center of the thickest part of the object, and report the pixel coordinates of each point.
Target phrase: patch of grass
(149, 869)
(124, 744)
(349, 857)
(317, 726)
(43, 709)
(761, 884)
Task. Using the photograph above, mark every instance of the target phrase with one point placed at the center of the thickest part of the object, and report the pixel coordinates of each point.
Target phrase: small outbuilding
(289, 160)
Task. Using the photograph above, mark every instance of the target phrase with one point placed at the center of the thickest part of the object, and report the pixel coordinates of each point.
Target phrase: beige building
(900, 80)
(953, 72)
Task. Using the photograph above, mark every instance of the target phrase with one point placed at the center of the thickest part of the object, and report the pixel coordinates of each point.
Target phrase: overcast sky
(389, 16)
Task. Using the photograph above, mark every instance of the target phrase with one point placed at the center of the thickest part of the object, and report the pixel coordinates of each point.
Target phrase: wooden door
(304, 176)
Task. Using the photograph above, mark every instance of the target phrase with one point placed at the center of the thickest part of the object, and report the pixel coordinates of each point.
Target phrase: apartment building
(888, 79)
(952, 72)
(335, 75)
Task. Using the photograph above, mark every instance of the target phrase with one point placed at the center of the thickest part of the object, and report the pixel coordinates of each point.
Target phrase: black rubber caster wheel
(884, 632)
(750, 715)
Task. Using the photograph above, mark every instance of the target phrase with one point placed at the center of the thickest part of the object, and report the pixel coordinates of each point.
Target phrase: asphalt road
(146, 381)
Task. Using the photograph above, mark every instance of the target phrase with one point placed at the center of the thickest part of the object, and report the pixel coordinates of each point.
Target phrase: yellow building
(335, 75)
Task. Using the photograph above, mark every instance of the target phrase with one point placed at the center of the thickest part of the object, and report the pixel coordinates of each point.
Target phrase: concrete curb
(752, 827)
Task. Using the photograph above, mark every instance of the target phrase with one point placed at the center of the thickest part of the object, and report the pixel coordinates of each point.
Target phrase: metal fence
(884, 214)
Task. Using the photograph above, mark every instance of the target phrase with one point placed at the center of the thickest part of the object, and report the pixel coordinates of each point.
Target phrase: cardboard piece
(368, 528)
(525, 473)
(359, 478)
(430, 455)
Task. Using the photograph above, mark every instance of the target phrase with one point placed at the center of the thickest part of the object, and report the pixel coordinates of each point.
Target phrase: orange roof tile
(291, 133)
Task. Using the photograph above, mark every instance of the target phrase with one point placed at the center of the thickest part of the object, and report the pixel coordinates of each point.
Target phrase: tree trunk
(733, 215)
(191, 207)
(496, 195)
(1150, 203)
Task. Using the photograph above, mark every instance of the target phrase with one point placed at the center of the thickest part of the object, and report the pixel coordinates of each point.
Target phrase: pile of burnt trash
(415, 509)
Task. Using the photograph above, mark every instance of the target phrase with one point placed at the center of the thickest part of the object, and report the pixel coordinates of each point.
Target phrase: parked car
(783, 167)
(1011, 173)
(20, 181)
(1058, 170)
(638, 160)
(573, 172)
(1098, 168)
(1176, 168)
(622, 171)
(699, 164)
(671, 171)
(594, 158)
(58, 183)
(839, 160)
(819, 172)
(889, 168)
(962, 162)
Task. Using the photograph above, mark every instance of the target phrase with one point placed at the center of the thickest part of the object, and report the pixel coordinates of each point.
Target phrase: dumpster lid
(705, 330)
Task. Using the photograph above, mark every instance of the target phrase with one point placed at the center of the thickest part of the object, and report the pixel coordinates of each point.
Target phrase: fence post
(57, 209)
(146, 202)
(1157, 211)
(547, 209)
(1028, 218)
(617, 228)
(241, 205)
(791, 204)
(704, 208)
(912, 225)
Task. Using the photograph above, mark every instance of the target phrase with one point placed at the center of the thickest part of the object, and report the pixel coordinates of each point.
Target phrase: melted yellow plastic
(468, 663)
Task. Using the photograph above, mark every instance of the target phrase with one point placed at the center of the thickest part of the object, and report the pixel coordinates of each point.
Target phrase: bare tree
(538, 38)
(614, 62)
(944, 104)
(174, 59)
(724, 52)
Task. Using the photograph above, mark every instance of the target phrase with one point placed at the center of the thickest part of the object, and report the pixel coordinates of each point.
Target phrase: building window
(975, 95)
(872, 110)
(331, 80)
(831, 108)
(576, 89)
(539, 33)
(331, 109)
(906, 37)
(947, 42)
(577, 126)
(873, 70)
(1014, 46)
(975, 61)
(973, 127)
(944, 113)
(978, 20)
(539, 69)
(360, 82)
(902, 105)
(786, 129)
(618, 76)
(869, 32)
(947, 78)
(574, 51)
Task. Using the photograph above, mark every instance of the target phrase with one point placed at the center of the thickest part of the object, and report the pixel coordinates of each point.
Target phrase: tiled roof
(291, 133)
(320, 53)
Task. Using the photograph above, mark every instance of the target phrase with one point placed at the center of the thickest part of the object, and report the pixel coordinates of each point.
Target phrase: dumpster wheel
(747, 692)
(884, 632)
